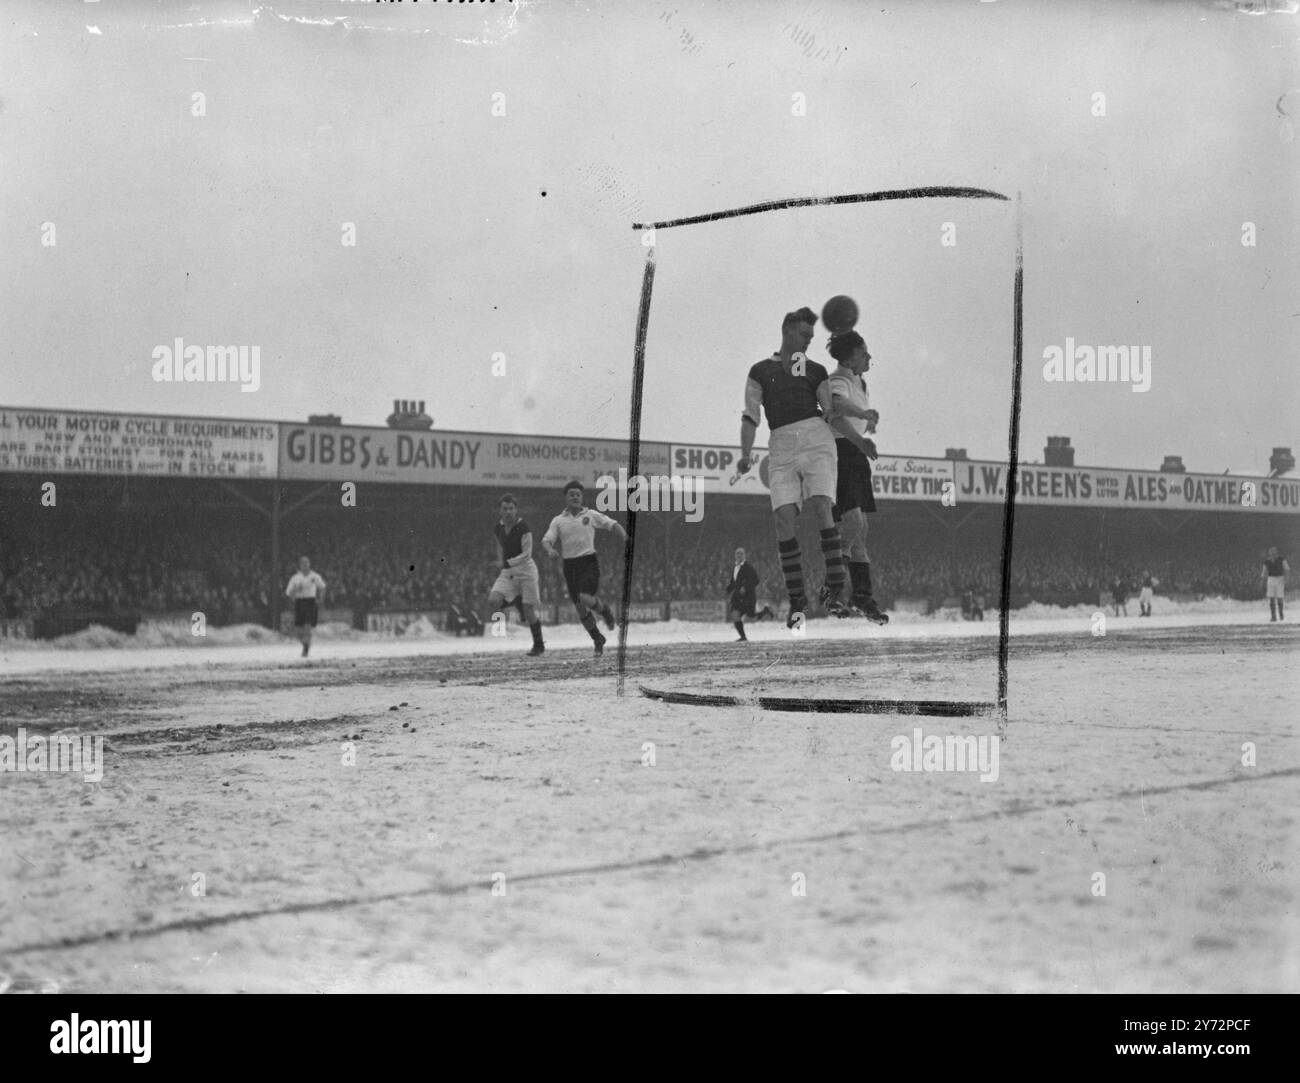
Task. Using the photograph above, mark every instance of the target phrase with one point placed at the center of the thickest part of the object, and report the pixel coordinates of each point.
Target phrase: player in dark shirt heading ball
(802, 465)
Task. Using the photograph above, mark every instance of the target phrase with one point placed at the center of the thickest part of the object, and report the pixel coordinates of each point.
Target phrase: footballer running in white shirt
(305, 587)
(572, 535)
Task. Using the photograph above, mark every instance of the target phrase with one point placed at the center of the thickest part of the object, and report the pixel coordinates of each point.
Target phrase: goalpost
(867, 706)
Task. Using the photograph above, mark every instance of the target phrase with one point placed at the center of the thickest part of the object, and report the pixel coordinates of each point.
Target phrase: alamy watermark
(61, 753)
(112, 1036)
(179, 363)
(681, 492)
(1102, 364)
(950, 752)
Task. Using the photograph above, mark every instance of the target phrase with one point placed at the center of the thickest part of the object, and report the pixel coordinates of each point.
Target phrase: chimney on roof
(1058, 452)
(958, 453)
(409, 414)
(1173, 464)
(1280, 462)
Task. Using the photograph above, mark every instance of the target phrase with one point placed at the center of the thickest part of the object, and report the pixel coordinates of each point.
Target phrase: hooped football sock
(833, 553)
(791, 567)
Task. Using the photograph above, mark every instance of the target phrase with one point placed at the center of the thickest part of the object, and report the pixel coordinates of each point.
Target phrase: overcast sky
(479, 234)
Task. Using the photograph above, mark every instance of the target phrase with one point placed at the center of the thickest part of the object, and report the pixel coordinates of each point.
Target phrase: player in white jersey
(572, 535)
(518, 577)
(851, 420)
(305, 588)
(1274, 572)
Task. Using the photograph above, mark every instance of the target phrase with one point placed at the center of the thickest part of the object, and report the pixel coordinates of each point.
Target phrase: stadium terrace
(162, 516)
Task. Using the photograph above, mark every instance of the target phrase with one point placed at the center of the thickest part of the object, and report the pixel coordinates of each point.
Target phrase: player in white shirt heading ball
(852, 419)
(572, 535)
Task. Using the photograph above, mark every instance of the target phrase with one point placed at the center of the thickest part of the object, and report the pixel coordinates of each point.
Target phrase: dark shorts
(853, 482)
(744, 604)
(582, 574)
(304, 612)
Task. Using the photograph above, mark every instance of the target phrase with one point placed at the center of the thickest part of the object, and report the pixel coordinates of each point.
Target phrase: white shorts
(801, 462)
(1147, 595)
(521, 579)
(1276, 587)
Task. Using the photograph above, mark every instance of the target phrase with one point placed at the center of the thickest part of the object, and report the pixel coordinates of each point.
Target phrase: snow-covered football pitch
(440, 814)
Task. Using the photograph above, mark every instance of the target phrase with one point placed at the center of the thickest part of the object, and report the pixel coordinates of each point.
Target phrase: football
(839, 314)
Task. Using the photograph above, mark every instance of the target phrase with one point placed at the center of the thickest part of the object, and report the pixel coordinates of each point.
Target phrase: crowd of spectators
(166, 563)
(120, 564)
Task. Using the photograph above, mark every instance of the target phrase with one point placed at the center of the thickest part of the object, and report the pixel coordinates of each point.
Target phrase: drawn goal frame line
(863, 706)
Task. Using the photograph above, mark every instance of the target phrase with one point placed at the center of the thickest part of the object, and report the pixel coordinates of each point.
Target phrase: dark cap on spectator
(802, 315)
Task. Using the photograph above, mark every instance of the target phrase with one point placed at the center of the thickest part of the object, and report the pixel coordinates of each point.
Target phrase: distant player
(1274, 573)
(572, 535)
(742, 595)
(852, 419)
(1147, 594)
(794, 394)
(518, 580)
(1119, 595)
(305, 588)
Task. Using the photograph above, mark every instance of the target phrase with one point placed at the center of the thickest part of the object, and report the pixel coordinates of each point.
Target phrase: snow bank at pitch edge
(152, 636)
